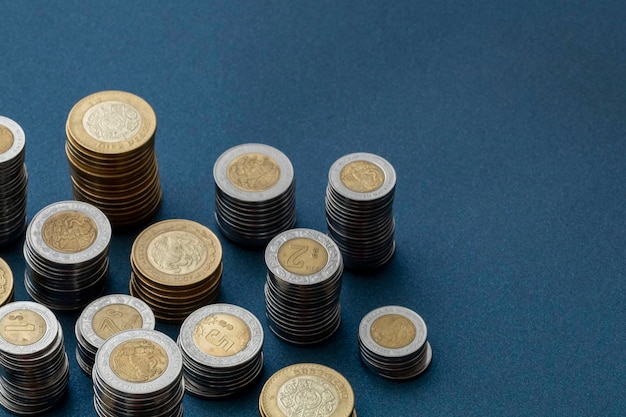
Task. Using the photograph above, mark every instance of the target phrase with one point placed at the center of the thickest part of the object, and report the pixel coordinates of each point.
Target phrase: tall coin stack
(138, 373)
(103, 318)
(359, 214)
(33, 362)
(222, 350)
(176, 268)
(255, 195)
(304, 271)
(67, 255)
(7, 288)
(13, 181)
(393, 342)
(110, 150)
(307, 389)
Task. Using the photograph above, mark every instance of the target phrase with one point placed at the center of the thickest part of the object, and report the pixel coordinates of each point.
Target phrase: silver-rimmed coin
(362, 176)
(26, 328)
(12, 140)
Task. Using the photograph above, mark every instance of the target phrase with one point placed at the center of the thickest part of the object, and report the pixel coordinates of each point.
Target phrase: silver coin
(18, 142)
(387, 186)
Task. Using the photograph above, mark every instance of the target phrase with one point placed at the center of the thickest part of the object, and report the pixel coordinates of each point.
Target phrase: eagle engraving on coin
(393, 331)
(253, 172)
(362, 176)
(177, 252)
(112, 121)
(307, 396)
(139, 360)
(69, 232)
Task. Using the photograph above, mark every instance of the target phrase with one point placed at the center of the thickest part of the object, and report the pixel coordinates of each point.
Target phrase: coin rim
(417, 343)
(334, 176)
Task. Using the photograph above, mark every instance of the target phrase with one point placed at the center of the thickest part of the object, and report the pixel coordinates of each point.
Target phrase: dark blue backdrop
(506, 124)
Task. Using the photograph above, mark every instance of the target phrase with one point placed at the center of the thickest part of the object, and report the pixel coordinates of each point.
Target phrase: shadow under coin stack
(222, 350)
(66, 252)
(103, 318)
(307, 389)
(304, 273)
(110, 150)
(255, 195)
(393, 342)
(33, 362)
(7, 288)
(13, 181)
(138, 373)
(359, 200)
(176, 268)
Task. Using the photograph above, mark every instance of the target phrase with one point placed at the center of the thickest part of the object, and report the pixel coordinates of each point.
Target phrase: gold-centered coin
(393, 331)
(6, 282)
(22, 327)
(69, 232)
(138, 360)
(221, 335)
(115, 318)
(6, 139)
(253, 172)
(362, 176)
(302, 256)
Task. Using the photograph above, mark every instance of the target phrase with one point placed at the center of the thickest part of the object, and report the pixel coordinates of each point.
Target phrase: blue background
(505, 122)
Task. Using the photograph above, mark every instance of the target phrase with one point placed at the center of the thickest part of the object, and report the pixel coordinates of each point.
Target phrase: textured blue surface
(505, 121)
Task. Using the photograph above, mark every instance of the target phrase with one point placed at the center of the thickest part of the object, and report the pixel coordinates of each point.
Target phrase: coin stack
(255, 195)
(13, 181)
(176, 268)
(7, 289)
(66, 252)
(138, 373)
(304, 271)
(103, 318)
(33, 362)
(393, 342)
(222, 350)
(359, 214)
(307, 389)
(110, 151)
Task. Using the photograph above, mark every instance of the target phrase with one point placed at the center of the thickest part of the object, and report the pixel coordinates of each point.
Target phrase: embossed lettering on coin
(303, 256)
(69, 231)
(6, 139)
(221, 335)
(22, 327)
(307, 396)
(177, 252)
(362, 176)
(393, 331)
(114, 318)
(253, 172)
(112, 121)
(139, 360)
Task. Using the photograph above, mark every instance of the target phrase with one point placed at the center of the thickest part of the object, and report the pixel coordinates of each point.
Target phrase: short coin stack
(304, 273)
(254, 193)
(66, 252)
(176, 268)
(307, 389)
(138, 373)
(33, 362)
(110, 150)
(393, 342)
(13, 181)
(359, 200)
(222, 350)
(103, 318)
(7, 289)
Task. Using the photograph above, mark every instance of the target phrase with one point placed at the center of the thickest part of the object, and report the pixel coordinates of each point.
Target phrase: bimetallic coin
(26, 328)
(362, 177)
(6, 283)
(12, 140)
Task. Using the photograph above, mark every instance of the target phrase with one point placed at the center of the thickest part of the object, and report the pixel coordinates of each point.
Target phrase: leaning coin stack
(103, 318)
(393, 342)
(138, 373)
(222, 350)
(33, 362)
(304, 271)
(66, 252)
(7, 289)
(307, 389)
(110, 151)
(176, 268)
(359, 215)
(13, 181)
(255, 195)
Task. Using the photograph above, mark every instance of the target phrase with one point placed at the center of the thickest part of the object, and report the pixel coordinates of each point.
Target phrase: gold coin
(253, 172)
(22, 327)
(114, 318)
(6, 139)
(138, 360)
(302, 256)
(69, 231)
(6, 282)
(307, 389)
(362, 176)
(221, 335)
(393, 331)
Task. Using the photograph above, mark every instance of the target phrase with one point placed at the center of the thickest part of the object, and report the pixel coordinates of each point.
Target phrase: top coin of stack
(110, 150)
(7, 290)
